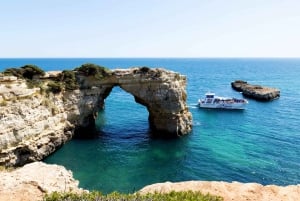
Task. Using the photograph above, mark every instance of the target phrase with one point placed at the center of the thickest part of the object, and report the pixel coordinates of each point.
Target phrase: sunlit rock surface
(234, 191)
(257, 92)
(34, 180)
(34, 123)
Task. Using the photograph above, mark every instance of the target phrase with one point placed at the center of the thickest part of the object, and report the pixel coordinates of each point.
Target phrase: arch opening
(119, 114)
(122, 116)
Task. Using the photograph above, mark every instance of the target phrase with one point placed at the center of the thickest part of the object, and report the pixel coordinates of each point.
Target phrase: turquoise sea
(260, 144)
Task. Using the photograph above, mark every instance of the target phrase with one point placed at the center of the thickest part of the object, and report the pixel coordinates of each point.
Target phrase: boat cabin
(209, 95)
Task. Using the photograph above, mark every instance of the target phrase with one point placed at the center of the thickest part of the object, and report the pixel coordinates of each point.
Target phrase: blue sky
(150, 28)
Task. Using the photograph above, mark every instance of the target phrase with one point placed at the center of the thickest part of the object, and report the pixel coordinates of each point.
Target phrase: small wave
(193, 106)
(197, 123)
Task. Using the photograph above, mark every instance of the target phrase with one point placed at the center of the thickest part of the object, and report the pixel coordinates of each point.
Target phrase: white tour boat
(213, 101)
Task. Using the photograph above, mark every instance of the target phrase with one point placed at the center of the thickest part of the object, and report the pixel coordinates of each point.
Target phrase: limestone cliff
(32, 124)
(35, 122)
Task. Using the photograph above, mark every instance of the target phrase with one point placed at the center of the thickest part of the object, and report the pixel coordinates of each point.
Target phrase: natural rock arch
(161, 92)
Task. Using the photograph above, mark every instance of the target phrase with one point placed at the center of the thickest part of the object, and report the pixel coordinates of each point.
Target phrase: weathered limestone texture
(234, 191)
(164, 95)
(34, 122)
(162, 92)
(256, 91)
(34, 180)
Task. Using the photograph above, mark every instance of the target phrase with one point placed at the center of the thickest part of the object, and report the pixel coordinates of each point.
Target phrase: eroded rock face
(162, 92)
(34, 180)
(256, 91)
(33, 123)
(164, 95)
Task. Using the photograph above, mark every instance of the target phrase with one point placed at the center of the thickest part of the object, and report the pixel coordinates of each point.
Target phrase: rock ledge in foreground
(33, 180)
(234, 191)
(256, 92)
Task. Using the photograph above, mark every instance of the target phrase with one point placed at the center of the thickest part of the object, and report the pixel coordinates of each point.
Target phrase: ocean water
(260, 144)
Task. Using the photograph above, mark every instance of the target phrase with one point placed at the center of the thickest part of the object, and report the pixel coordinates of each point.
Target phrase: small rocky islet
(40, 111)
(257, 92)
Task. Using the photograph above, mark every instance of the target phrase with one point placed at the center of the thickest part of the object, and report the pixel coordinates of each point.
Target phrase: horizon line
(150, 57)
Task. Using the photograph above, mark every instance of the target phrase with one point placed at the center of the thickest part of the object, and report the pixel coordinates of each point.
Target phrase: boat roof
(217, 97)
(209, 94)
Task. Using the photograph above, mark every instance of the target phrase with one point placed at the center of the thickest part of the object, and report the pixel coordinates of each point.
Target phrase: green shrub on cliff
(97, 196)
(27, 71)
(14, 71)
(145, 69)
(95, 70)
(68, 76)
(69, 80)
(31, 70)
(54, 87)
(66, 80)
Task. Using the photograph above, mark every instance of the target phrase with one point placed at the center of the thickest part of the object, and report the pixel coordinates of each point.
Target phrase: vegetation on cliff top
(97, 196)
(153, 73)
(95, 70)
(26, 72)
(66, 80)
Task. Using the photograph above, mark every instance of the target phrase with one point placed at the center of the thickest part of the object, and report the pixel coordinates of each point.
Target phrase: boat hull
(232, 106)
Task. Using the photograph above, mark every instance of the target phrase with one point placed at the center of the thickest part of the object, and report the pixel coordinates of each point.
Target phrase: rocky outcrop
(34, 122)
(34, 180)
(234, 191)
(256, 91)
(164, 95)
